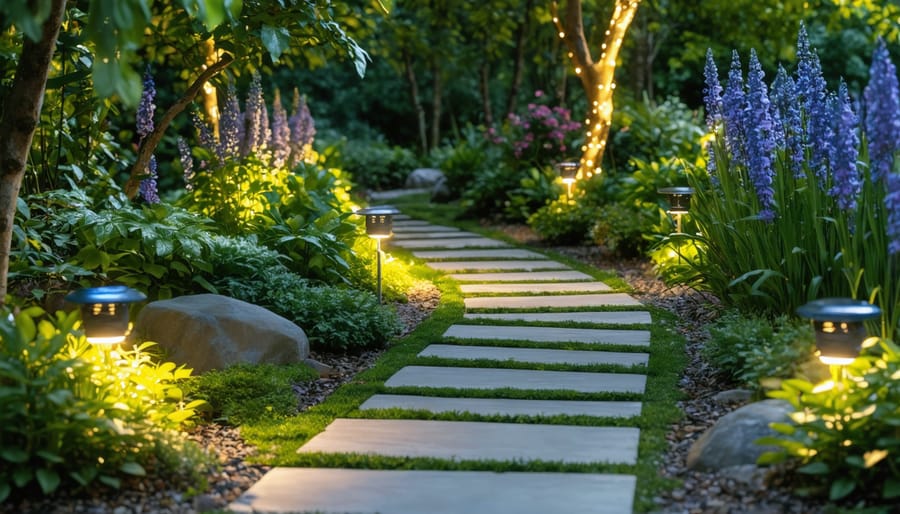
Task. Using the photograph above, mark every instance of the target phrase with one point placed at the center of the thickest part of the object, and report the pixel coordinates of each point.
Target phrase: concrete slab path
(296, 490)
(550, 334)
(527, 281)
(473, 440)
(534, 355)
(525, 379)
(504, 406)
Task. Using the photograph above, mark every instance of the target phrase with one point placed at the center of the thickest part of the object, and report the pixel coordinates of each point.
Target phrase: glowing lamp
(839, 327)
(568, 172)
(679, 202)
(379, 220)
(379, 225)
(104, 312)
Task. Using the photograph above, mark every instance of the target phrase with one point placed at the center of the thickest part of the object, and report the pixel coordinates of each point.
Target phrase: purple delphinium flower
(759, 133)
(303, 129)
(207, 139)
(230, 124)
(892, 204)
(146, 108)
(882, 116)
(712, 93)
(790, 122)
(812, 95)
(281, 133)
(147, 187)
(187, 163)
(254, 104)
(733, 106)
(844, 174)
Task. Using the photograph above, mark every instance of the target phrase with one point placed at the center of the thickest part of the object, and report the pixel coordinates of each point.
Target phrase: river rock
(209, 331)
(731, 441)
(423, 178)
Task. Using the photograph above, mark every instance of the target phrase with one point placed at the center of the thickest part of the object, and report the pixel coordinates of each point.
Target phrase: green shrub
(245, 393)
(74, 413)
(537, 187)
(374, 164)
(562, 222)
(751, 348)
(334, 318)
(621, 229)
(463, 162)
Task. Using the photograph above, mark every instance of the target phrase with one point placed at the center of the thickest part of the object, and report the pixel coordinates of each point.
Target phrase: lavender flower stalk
(844, 174)
(187, 163)
(789, 120)
(759, 133)
(882, 117)
(733, 106)
(230, 124)
(145, 125)
(281, 133)
(813, 98)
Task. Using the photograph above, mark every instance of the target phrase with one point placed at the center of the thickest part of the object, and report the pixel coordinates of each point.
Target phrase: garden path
(511, 342)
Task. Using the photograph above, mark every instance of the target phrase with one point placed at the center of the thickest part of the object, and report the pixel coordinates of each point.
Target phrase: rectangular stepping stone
(547, 287)
(409, 222)
(473, 440)
(532, 276)
(363, 491)
(535, 355)
(550, 334)
(536, 302)
(423, 228)
(503, 406)
(496, 265)
(398, 234)
(616, 317)
(507, 253)
(495, 378)
(451, 242)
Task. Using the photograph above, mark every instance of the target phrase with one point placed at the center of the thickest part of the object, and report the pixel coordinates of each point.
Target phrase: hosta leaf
(111, 481)
(16, 455)
(50, 456)
(132, 468)
(48, 480)
(814, 468)
(21, 476)
(180, 416)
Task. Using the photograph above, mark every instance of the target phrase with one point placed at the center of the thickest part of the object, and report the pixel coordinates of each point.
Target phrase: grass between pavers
(279, 439)
(554, 324)
(564, 345)
(526, 365)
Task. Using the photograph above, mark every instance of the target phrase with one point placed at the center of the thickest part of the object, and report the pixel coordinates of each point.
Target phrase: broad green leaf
(275, 39)
(16, 455)
(840, 488)
(59, 396)
(111, 481)
(814, 468)
(50, 456)
(22, 475)
(48, 480)
(26, 326)
(891, 488)
(132, 468)
(5, 489)
(180, 416)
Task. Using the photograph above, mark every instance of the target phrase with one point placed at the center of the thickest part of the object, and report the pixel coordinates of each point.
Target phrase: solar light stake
(568, 172)
(104, 312)
(379, 225)
(839, 327)
(679, 202)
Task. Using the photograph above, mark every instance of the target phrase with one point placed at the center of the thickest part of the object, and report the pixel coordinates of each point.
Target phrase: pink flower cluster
(541, 133)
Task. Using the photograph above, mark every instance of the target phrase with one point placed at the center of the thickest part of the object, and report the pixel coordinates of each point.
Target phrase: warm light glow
(106, 340)
(837, 361)
(562, 34)
(577, 70)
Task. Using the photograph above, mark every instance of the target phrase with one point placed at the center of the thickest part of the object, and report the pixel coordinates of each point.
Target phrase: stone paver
(398, 235)
(473, 440)
(614, 317)
(550, 334)
(298, 490)
(504, 406)
(533, 302)
(548, 287)
(456, 242)
(534, 355)
(508, 253)
(496, 265)
(406, 229)
(535, 276)
(493, 378)
(403, 223)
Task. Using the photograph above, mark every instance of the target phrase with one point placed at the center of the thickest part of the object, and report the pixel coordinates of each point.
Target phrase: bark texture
(20, 117)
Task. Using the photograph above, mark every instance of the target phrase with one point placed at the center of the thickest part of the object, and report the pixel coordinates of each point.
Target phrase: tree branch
(153, 138)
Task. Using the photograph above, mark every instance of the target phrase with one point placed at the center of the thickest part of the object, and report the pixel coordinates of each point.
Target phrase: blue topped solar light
(104, 311)
(379, 225)
(839, 325)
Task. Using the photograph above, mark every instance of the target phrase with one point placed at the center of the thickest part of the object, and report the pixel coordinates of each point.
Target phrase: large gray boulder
(208, 331)
(730, 442)
(423, 178)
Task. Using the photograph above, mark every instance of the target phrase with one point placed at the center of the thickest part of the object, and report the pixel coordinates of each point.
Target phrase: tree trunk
(20, 118)
(484, 85)
(415, 101)
(210, 97)
(145, 152)
(597, 77)
(519, 61)
(437, 98)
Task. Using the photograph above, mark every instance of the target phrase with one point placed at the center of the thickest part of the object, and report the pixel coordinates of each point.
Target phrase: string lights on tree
(597, 76)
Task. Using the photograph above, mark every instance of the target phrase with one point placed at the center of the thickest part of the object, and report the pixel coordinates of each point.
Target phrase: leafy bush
(751, 348)
(334, 318)
(159, 249)
(623, 229)
(464, 161)
(374, 164)
(245, 393)
(537, 187)
(562, 222)
(74, 413)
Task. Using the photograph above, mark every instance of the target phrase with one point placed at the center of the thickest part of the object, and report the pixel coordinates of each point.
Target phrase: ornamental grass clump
(790, 207)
